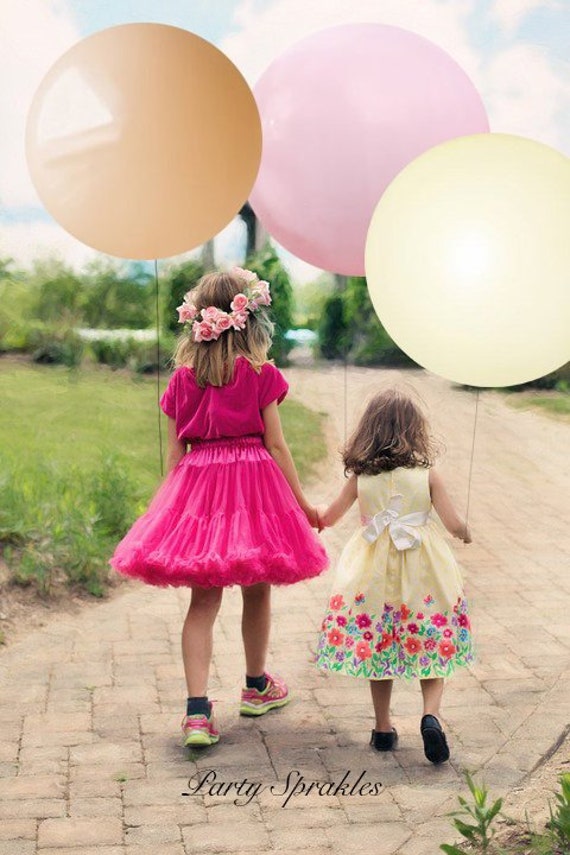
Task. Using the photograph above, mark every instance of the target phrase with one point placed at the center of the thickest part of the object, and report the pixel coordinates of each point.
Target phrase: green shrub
(15, 313)
(62, 523)
(112, 352)
(377, 348)
(139, 356)
(54, 344)
(15, 522)
(267, 264)
(333, 328)
(146, 359)
(349, 329)
(111, 493)
(559, 825)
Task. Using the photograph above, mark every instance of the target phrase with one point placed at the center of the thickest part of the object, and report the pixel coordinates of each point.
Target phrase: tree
(369, 343)
(267, 264)
(256, 236)
(332, 328)
(349, 328)
(310, 300)
(116, 296)
(57, 290)
(180, 280)
(207, 255)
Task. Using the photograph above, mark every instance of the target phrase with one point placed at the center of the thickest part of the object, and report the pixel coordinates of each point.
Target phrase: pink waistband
(227, 440)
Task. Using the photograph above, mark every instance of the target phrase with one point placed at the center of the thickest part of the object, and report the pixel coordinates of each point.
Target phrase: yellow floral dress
(397, 607)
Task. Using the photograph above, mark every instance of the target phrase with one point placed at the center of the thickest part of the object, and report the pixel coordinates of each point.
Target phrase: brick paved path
(90, 757)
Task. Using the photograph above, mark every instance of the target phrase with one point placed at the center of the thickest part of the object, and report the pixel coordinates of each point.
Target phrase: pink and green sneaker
(275, 694)
(200, 730)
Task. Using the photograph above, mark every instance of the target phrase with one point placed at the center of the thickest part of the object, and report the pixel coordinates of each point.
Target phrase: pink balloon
(343, 111)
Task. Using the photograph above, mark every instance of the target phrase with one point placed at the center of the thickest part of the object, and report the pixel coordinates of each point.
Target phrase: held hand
(312, 515)
(322, 515)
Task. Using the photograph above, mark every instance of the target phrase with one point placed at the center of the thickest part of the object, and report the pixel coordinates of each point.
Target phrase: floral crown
(208, 324)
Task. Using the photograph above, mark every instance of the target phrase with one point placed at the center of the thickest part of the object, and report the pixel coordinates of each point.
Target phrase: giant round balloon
(143, 140)
(343, 111)
(468, 260)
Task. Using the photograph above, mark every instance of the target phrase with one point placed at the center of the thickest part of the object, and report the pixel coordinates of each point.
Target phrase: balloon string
(345, 398)
(472, 456)
(345, 360)
(157, 306)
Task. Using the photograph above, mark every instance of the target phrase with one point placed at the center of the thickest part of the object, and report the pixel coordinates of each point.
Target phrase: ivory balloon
(143, 140)
(343, 111)
(468, 260)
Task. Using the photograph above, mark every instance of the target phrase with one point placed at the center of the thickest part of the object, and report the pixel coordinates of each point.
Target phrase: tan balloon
(468, 260)
(143, 141)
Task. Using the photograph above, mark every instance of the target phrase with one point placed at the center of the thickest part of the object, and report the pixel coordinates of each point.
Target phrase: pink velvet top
(232, 410)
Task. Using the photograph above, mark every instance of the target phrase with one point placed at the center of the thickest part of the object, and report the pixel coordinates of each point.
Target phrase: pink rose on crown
(239, 303)
(239, 320)
(261, 294)
(204, 331)
(223, 322)
(210, 314)
(248, 275)
(186, 312)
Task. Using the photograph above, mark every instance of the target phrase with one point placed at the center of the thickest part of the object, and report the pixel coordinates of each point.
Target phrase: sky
(514, 51)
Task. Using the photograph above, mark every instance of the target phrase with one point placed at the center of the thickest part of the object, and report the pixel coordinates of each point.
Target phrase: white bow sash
(401, 528)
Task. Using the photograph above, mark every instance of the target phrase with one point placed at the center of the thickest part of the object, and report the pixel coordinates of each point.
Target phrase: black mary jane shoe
(435, 743)
(384, 741)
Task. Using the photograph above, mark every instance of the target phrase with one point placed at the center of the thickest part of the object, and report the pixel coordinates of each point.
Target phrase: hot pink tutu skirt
(224, 516)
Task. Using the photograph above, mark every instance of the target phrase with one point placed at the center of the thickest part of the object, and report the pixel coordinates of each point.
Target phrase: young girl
(231, 510)
(397, 607)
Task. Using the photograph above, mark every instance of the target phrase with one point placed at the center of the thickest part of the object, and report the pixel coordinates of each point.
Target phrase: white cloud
(266, 32)
(525, 94)
(510, 13)
(33, 35)
(524, 90)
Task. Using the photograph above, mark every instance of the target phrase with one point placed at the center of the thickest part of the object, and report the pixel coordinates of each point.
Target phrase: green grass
(55, 415)
(79, 460)
(304, 432)
(552, 403)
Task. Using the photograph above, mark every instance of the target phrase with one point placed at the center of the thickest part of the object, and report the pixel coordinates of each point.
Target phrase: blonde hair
(392, 432)
(213, 361)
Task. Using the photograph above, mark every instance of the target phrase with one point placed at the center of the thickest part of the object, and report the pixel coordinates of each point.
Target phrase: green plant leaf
(464, 829)
(494, 810)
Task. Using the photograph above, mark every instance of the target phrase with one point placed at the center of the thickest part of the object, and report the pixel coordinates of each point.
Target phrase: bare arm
(277, 447)
(176, 448)
(445, 510)
(341, 504)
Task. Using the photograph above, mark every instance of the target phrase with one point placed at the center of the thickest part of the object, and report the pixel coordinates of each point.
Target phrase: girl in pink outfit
(231, 510)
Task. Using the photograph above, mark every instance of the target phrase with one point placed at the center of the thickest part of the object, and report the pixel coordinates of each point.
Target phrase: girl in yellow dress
(397, 607)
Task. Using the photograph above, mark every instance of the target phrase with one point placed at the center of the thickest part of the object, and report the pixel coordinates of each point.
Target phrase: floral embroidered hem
(400, 642)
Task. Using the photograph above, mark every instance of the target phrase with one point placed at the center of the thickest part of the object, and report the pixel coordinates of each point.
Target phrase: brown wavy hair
(392, 432)
(213, 361)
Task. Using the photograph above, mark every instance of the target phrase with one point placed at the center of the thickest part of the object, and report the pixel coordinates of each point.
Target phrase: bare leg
(255, 626)
(197, 638)
(432, 691)
(381, 691)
